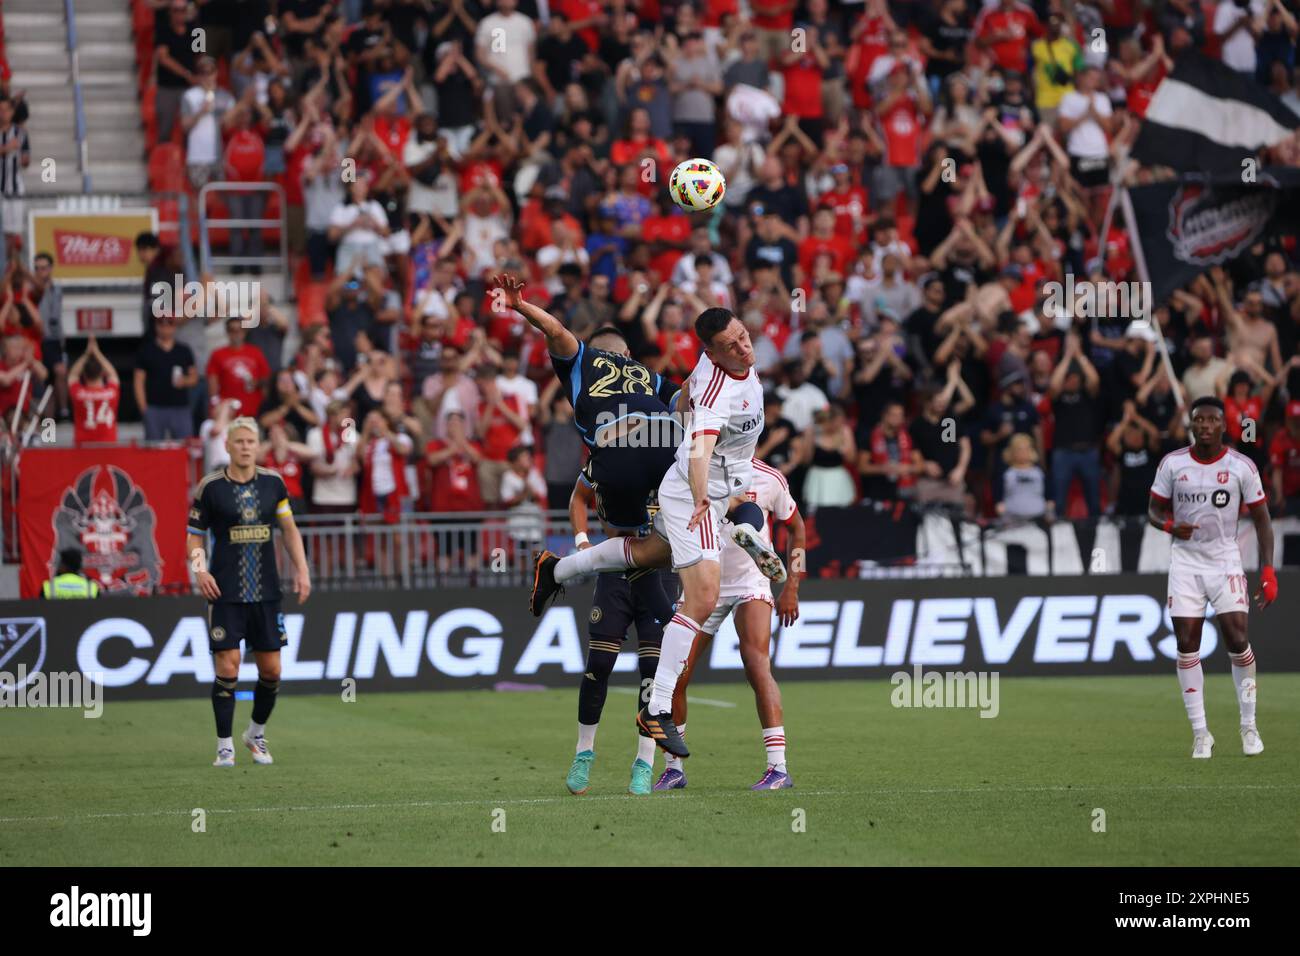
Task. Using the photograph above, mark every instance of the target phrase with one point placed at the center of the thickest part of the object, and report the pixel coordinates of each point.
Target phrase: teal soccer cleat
(579, 779)
(642, 773)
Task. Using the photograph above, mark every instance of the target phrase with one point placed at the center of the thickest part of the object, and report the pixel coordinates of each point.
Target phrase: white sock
(587, 737)
(645, 750)
(1191, 678)
(671, 762)
(612, 554)
(774, 744)
(1243, 667)
(256, 730)
(225, 743)
(675, 650)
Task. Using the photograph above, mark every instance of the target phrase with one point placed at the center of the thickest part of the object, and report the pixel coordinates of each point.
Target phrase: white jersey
(1209, 494)
(740, 575)
(730, 407)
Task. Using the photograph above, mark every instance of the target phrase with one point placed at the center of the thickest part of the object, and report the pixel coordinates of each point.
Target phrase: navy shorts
(259, 625)
(624, 481)
(615, 608)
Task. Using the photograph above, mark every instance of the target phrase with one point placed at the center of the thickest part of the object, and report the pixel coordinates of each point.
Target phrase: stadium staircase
(37, 47)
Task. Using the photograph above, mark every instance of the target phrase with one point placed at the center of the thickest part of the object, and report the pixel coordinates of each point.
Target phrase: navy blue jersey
(605, 388)
(240, 516)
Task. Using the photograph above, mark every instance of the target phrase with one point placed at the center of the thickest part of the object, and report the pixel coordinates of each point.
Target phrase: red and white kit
(94, 412)
(1209, 494)
(731, 407)
(741, 579)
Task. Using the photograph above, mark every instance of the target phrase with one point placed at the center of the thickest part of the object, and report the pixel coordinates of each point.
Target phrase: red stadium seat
(167, 168)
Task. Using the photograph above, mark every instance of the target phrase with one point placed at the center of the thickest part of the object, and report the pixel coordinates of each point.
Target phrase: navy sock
(264, 695)
(223, 704)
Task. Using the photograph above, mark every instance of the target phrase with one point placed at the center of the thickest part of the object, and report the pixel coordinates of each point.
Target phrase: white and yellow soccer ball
(697, 185)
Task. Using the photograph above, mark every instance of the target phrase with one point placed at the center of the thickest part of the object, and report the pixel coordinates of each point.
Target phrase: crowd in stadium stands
(903, 180)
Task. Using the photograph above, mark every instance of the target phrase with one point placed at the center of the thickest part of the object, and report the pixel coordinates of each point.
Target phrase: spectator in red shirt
(17, 359)
(825, 240)
(287, 459)
(803, 71)
(238, 371)
(1284, 455)
(902, 112)
(502, 419)
(95, 391)
(849, 203)
(245, 156)
(455, 461)
(1006, 32)
(773, 20)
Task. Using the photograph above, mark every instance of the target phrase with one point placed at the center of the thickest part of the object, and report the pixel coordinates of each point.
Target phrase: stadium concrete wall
(449, 639)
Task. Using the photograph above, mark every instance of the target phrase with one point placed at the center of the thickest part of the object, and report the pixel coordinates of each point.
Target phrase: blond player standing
(713, 463)
(1197, 495)
(747, 596)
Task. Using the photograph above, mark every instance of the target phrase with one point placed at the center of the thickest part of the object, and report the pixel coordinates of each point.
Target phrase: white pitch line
(689, 699)
(525, 801)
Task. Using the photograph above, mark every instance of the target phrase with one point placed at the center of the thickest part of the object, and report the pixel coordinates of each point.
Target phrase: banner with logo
(462, 639)
(1185, 226)
(91, 247)
(123, 508)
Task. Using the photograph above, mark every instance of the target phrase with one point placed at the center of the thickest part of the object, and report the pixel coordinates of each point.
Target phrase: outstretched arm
(561, 342)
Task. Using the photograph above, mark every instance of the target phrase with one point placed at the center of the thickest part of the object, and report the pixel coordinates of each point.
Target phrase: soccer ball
(697, 185)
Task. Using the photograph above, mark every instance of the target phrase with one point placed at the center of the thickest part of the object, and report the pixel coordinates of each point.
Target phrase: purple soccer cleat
(671, 779)
(773, 779)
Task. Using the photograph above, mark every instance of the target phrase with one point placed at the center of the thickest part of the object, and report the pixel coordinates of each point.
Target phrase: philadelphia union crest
(106, 517)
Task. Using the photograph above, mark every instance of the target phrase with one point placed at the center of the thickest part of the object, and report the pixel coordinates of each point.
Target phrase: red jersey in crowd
(902, 128)
(803, 88)
(686, 351)
(1236, 413)
(850, 206)
(290, 470)
(670, 228)
(715, 10)
(1284, 453)
(501, 435)
(837, 247)
(393, 130)
(1017, 27)
(94, 412)
(245, 153)
(241, 372)
(872, 42)
(771, 14)
(577, 10)
(455, 481)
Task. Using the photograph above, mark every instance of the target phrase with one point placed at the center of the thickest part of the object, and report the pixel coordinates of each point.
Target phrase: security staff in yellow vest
(69, 582)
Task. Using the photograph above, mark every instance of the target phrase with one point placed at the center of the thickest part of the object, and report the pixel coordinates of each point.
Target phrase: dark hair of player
(1209, 400)
(711, 322)
(605, 330)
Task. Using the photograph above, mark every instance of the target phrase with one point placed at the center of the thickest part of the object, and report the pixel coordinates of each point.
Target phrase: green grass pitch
(422, 778)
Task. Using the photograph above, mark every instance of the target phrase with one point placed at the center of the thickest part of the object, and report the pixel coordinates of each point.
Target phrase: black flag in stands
(1205, 117)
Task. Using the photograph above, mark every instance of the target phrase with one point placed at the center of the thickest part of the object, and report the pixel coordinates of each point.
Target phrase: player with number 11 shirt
(1197, 496)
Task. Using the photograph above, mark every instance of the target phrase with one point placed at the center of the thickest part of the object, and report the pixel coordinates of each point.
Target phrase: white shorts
(11, 215)
(675, 509)
(728, 602)
(1190, 591)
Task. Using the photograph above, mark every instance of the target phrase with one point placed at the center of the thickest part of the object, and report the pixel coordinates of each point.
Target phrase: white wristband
(580, 538)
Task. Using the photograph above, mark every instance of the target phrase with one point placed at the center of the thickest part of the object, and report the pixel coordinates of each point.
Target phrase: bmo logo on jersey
(1220, 498)
(751, 424)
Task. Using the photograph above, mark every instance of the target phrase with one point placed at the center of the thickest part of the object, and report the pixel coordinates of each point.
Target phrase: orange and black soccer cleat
(545, 586)
(661, 729)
